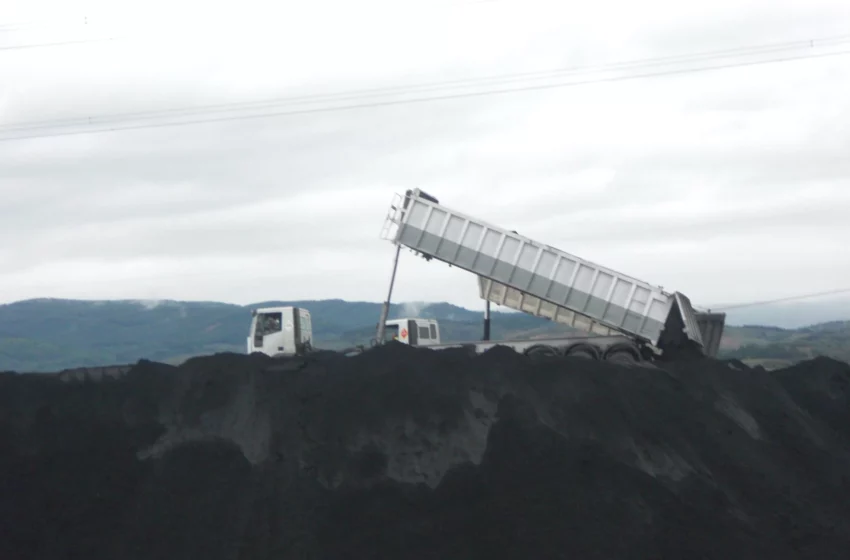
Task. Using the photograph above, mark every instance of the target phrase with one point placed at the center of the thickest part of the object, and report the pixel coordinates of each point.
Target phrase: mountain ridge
(50, 334)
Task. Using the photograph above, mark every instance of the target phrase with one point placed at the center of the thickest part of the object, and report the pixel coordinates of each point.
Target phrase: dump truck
(611, 316)
(614, 316)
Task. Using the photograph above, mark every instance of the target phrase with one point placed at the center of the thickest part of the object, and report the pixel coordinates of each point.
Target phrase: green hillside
(775, 347)
(52, 334)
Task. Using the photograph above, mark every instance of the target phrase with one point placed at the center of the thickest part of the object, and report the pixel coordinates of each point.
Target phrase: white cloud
(729, 185)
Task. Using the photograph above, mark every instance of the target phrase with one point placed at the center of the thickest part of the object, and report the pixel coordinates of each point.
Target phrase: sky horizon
(786, 314)
(837, 299)
(663, 147)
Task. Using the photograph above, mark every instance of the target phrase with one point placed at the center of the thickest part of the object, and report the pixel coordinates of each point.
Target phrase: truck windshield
(390, 333)
(268, 323)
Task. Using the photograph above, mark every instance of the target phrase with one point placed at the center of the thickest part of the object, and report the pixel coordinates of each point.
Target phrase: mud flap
(689, 318)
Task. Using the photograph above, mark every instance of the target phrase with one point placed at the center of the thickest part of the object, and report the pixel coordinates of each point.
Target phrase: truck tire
(582, 350)
(622, 353)
(539, 350)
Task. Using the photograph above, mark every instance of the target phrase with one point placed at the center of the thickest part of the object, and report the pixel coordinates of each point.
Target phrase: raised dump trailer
(535, 278)
(710, 325)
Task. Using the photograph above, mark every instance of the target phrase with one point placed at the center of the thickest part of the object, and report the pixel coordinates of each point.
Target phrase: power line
(432, 98)
(781, 300)
(15, 25)
(55, 44)
(422, 87)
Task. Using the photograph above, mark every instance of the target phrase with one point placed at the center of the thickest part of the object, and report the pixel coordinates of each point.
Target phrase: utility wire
(15, 25)
(56, 44)
(781, 300)
(423, 87)
(431, 98)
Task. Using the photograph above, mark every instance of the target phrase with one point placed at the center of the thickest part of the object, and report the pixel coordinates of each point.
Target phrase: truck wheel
(582, 350)
(624, 357)
(539, 350)
(622, 354)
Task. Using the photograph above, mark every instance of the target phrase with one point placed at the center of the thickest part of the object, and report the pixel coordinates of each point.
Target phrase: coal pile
(410, 453)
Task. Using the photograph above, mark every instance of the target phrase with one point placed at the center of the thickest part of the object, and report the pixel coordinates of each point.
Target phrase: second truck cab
(415, 332)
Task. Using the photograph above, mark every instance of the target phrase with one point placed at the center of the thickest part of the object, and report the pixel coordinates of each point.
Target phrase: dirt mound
(409, 453)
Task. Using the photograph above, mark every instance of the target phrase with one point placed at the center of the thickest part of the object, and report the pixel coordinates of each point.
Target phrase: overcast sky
(729, 185)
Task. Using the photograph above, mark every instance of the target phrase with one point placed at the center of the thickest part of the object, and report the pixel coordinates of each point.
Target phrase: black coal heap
(416, 454)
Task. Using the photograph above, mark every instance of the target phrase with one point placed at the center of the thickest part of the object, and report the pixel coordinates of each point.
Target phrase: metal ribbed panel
(566, 288)
(500, 294)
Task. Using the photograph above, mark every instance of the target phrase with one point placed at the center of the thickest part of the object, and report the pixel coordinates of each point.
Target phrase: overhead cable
(118, 119)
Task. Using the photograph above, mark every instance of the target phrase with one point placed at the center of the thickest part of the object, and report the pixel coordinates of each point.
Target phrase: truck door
(259, 325)
(424, 333)
(391, 332)
(296, 325)
(435, 335)
(413, 332)
(306, 325)
(267, 324)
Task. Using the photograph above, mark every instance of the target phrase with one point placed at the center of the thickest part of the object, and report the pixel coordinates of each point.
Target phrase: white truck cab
(415, 332)
(280, 331)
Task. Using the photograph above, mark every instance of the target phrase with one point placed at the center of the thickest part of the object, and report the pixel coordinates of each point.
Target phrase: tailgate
(711, 327)
(689, 318)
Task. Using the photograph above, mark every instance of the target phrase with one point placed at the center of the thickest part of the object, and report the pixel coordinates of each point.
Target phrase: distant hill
(53, 334)
(776, 347)
(792, 314)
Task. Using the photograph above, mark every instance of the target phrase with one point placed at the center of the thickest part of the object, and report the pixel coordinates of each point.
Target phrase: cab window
(390, 333)
(433, 331)
(423, 333)
(269, 323)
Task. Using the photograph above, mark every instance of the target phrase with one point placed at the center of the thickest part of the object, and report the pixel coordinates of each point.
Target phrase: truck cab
(280, 331)
(415, 332)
